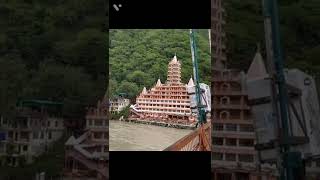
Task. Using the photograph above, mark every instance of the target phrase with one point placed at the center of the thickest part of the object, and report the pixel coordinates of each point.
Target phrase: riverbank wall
(160, 123)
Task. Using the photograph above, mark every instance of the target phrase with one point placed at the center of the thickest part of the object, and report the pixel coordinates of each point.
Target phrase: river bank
(160, 123)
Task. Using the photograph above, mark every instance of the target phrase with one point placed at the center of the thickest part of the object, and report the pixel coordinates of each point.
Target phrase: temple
(166, 102)
(88, 154)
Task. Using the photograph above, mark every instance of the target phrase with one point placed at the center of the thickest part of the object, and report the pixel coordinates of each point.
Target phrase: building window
(25, 148)
(98, 122)
(231, 127)
(246, 128)
(217, 156)
(230, 157)
(41, 135)
(50, 135)
(218, 127)
(246, 158)
(217, 141)
(224, 115)
(225, 87)
(56, 123)
(231, 142)
(246, 142)
(225, 100)
(97, 135)
(35, 135)
(48, 124)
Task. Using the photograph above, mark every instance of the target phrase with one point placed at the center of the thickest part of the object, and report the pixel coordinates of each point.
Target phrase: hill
(53, 50)
(139, 57)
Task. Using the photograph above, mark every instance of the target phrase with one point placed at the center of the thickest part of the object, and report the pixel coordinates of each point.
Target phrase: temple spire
(159, 82)
(191, 83)
(257, 68)
(144, 91)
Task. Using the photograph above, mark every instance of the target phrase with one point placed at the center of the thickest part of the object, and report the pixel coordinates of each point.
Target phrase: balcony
(232, 121)
(231, 106)
(233, 149)
(234, 134)
(228, 93)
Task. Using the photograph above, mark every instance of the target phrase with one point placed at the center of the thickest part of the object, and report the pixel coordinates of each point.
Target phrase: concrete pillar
(233, 176)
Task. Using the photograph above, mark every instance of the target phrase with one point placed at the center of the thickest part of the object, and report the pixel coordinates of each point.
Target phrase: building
(31, 132)
(118, 104)
(166, 102)
(87, 156)
(218, 35)
(233, 133)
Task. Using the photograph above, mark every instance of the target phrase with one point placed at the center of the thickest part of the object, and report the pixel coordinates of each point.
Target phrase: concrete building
(87, 156)
(118, 104)
(28, 135)
(166, 102)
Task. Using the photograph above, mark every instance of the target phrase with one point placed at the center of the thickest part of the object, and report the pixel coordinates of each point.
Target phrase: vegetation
(53, 50)
(299, 32)
(50, 162)
(139, 57)
(125, 113)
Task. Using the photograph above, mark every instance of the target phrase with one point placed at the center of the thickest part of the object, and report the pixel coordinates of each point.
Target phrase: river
(126, 136)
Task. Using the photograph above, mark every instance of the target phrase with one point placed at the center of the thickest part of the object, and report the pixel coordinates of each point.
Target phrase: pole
(201, 112)
(290, 161)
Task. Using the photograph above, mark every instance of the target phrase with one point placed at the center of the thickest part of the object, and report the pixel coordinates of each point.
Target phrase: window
(48, 124)
(35, 135)
(217, 156)
(56, 123)
(246, 142)
(246, 158)
(50, 135)
(41, 135)
(218, 127)
(230, 157)
(231, 142)
(25, 148)
(217, 141)
(231, 127)
(98, 122)
(97, 135)
(246, 128)
(224, 115)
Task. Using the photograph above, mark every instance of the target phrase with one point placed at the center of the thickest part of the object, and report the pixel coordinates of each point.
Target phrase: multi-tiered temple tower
(166, 102)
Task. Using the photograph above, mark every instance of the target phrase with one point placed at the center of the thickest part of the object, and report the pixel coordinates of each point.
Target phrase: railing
(198, 140)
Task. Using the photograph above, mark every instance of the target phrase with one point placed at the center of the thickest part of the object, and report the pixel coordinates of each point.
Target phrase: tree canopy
(300, 34)
(299, 23)
(53, 50)
(139, 57)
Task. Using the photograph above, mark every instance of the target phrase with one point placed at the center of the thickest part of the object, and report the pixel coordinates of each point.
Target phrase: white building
(27, 135)
(118, 104)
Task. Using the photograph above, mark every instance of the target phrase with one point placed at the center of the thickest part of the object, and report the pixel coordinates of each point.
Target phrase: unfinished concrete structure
(166, 102)
(31, 132)
(87, 156)
(303, 110)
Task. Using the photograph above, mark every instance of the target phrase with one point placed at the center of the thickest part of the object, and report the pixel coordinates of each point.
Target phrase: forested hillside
(300, 33)
(139, 57)
(53, 50)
